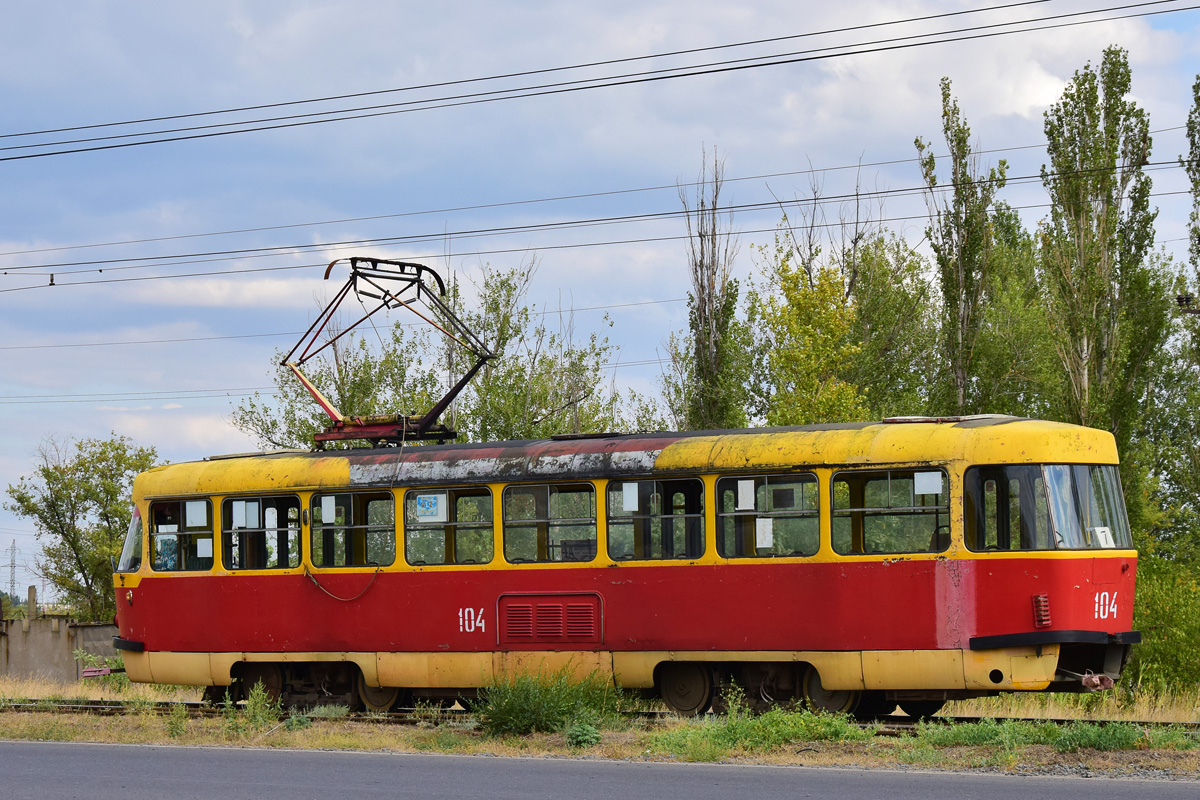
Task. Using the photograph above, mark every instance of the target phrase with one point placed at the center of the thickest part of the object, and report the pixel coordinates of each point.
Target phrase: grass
(594, 726)
(17, 690)
(1120, 704)
(547, 703)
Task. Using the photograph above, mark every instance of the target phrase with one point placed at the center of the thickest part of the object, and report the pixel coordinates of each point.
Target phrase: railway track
(885, 726)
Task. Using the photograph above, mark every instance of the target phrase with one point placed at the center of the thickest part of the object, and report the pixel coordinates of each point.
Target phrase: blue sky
(93, 62)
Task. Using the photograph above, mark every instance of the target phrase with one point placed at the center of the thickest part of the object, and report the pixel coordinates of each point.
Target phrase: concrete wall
(44, 647)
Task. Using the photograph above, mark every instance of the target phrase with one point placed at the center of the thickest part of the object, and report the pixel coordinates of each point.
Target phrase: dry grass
(151, 728)
(16, 689)
(1179, 706)
(643, 740)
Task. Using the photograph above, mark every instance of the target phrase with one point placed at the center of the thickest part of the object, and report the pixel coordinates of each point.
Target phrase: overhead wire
(648, 76)
(180, 259)
(528, 73)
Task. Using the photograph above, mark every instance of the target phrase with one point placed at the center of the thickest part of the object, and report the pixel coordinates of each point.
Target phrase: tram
(847, 567)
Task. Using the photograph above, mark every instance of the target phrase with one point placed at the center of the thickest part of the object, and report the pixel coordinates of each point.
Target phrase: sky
(164, 358)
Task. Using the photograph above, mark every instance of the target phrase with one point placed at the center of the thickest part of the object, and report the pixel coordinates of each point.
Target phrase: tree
(960, 233)
(542, 381)
(1107, 297)
(1016, 370)
(78, 500)
(1191, 166)
(716, 390)
(357, 380)
(895, 327)
(804, 327)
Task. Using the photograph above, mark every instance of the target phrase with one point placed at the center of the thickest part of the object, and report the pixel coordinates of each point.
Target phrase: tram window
(768, 516)
(892, 511)
(649, 520)
(260, 533)
(448, 526)
(550, 522)
(353, 530)
(131, 550)
(1043, 507)
(181, 535)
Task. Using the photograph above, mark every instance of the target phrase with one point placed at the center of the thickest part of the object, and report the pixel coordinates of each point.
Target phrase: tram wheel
(686, 687)
(376, 698)
(816, 697)
(921, 709)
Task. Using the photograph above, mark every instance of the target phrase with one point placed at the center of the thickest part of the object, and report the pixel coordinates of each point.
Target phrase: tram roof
(985, 439)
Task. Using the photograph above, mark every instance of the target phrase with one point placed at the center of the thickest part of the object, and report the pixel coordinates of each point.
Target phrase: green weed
(177, 720)
(525, 703)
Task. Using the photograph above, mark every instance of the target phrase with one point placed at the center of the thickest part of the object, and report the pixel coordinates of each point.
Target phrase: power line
(525, 73)
(114, 264)
(210, 394)
(543, 313)
(628, 79)
(508, 251)
(533, 201)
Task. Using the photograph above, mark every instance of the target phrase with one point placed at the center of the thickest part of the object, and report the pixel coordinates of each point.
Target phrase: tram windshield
(1044, 507)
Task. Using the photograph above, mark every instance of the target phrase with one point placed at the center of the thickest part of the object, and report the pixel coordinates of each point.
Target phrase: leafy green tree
(1191, 165)
(359, 380)
(78, 501)
(1107, 293)
(960, 233)
(894, 325)
(804, 325)
(542, 381)
(1016, 370)
(1106, 296)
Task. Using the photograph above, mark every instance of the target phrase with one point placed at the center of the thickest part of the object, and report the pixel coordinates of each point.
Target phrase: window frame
(451, 528)
(314, 528)
(742, 537)
(647, 519)
(227, 533)
(939, 541)
(543, 524)
(184, 552)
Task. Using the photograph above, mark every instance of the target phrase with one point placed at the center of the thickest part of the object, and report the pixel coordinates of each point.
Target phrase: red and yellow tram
(852, 567)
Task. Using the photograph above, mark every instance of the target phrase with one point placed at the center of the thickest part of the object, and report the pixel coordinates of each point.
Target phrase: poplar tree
(960, 233)
(715, 392)
(1106, 294)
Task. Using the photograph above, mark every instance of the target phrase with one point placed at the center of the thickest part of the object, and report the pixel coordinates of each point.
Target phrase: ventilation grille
(1041, 611)
(533, 620)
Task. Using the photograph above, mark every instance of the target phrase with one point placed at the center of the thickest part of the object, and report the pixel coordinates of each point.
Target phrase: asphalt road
(55, 771)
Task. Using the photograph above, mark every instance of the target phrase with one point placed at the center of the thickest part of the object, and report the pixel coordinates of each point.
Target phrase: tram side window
(353, 530)
(892, 511)
(655, 519)
(260, 532)
(1005, 508)
(550, 522)
(768, 516)
(448, 526)
(181, 535)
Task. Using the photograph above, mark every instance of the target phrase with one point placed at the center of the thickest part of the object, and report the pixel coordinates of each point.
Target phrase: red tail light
(1041, 611)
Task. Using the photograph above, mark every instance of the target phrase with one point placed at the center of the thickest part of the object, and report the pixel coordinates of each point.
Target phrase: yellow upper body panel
(988, 440)
(996, 440)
